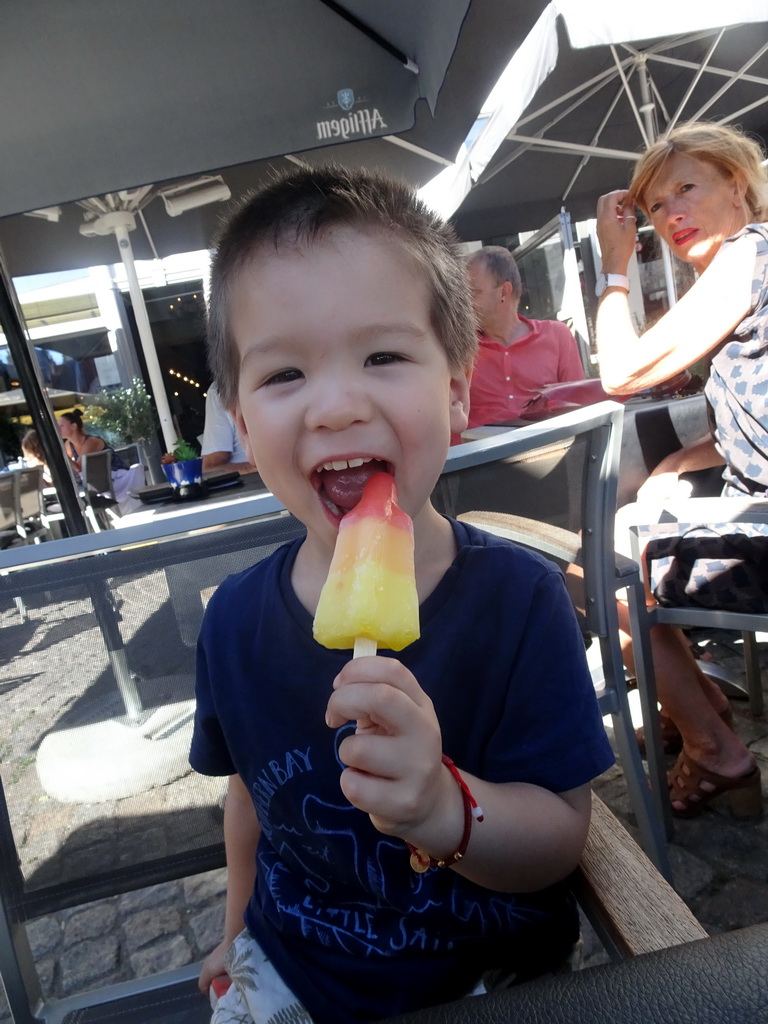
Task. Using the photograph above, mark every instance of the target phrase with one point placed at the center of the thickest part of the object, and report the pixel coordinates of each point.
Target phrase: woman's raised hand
(616, 231)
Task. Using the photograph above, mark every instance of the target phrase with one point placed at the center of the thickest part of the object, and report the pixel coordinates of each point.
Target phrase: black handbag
(718, 565)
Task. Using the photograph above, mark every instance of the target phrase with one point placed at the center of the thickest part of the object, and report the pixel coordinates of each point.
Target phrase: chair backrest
(129, 453)
(103, 773)
(30, 493)
(534, 483)
(561, 474)
(583, 447)
(97, 473)
(7, 501)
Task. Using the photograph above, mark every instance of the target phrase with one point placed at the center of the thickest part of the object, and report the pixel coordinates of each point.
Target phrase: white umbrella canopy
(583, 115)
(13, 400)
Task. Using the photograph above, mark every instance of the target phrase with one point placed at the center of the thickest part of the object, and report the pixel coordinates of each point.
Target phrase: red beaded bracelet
(420, 860)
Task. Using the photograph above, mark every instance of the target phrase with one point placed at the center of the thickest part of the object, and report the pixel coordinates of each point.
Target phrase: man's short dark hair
(297, 209)
(500, 264)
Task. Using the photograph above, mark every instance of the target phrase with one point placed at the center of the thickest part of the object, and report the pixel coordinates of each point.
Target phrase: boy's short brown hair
(299, 208)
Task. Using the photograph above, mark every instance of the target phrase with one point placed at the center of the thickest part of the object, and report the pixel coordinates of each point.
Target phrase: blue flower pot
(186, 478)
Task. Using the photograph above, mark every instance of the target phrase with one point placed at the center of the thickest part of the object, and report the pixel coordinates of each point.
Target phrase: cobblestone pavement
(721, 867)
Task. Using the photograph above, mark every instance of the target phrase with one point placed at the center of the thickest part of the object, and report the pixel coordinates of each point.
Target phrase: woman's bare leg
(691, 700)
(687, 696)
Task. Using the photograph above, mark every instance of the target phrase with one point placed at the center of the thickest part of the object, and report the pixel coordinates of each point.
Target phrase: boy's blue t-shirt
(353, 930)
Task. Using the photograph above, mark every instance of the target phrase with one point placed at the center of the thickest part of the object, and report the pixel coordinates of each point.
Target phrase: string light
(187, 380)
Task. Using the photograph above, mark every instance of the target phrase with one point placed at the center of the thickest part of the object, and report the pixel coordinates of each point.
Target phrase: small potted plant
(184, 469)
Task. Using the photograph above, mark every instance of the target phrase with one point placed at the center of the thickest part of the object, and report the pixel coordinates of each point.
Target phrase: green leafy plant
(124, 414)
(185, 451)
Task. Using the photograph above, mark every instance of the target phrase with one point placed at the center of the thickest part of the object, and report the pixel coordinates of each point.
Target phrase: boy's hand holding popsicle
(394, 771)
(394, 768)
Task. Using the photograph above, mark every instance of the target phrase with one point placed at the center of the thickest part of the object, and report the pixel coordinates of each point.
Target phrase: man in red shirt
(516, 356)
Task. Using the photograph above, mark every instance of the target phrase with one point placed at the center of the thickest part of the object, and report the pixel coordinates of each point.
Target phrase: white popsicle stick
(365, 647)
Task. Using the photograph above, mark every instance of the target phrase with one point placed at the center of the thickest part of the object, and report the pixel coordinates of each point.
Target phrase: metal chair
(552, 487)
(30, 507)
(9, 530)
(716, 510)
(107, 497)
(129, 453)
(22, 516)
(643, 617)
(98, 489)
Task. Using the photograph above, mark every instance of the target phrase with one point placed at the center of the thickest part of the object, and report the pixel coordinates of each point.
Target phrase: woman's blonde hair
(732, 152)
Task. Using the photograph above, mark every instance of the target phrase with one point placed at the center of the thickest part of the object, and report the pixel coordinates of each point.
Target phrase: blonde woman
(703, 189)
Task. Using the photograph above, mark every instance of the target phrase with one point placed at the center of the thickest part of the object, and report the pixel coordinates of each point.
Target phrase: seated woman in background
(704, 190)
(78, 443)
(34, 455)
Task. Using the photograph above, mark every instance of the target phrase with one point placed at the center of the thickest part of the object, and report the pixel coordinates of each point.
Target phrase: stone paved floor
(721, 867)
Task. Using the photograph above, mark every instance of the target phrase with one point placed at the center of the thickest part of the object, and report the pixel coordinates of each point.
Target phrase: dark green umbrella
(101, 96)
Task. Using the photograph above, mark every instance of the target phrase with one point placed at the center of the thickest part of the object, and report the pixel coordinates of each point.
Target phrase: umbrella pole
(120, 231)
(39, 408)
(573, 301)
(669, 274)
(648, 109)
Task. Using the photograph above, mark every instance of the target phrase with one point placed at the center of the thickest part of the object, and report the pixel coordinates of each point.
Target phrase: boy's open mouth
(341, 482)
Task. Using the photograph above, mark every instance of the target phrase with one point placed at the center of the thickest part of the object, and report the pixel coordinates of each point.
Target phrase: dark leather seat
(720, 980)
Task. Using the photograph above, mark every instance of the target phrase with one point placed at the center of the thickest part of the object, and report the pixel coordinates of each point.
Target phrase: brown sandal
(671, 740)
(745, 794)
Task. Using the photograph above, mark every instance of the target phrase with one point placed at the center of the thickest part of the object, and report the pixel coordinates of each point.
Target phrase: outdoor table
(250, 485)
(653, 427)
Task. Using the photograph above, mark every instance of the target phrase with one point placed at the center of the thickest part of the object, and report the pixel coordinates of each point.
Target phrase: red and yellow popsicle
(369, 599)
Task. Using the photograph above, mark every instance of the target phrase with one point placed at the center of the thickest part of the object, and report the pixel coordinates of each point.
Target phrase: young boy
(342, 339)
